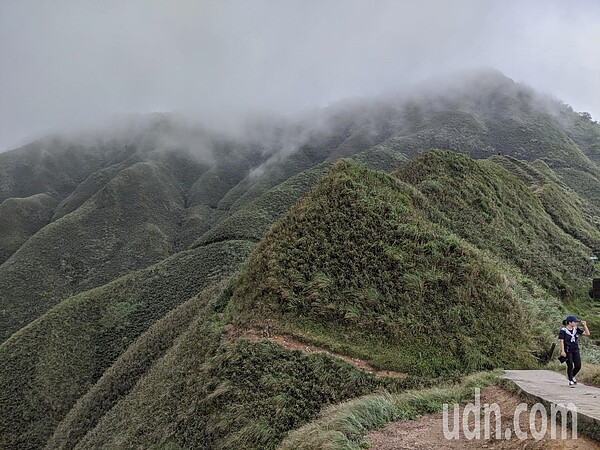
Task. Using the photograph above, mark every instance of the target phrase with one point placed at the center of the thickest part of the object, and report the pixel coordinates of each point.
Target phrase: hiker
(569, 348)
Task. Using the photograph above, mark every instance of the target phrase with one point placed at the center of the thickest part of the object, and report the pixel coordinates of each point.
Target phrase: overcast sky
(70, 63)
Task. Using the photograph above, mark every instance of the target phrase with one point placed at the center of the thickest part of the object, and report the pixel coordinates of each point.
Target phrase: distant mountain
(417, 231)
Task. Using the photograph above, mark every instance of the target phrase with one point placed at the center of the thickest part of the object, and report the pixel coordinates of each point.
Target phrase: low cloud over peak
(69, 64)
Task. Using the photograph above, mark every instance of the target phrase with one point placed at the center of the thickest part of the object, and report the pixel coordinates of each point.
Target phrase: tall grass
(46, 367)
(358, 266)
(345, 425)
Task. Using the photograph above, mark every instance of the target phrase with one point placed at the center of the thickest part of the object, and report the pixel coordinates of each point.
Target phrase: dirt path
(292, 343)
(427, 432)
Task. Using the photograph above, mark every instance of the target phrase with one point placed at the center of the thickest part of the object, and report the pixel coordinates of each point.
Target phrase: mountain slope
(54, 165)
(574, 215)
(110, 238)
(227, 394)
(118, 381)
(20, 218)
(356, 264)
(219, 392)
(48, 365)
(129, 224)
(90, 186)
(486, 205)
(159, 287)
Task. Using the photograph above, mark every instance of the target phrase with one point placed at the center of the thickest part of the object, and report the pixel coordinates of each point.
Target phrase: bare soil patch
(427, 432)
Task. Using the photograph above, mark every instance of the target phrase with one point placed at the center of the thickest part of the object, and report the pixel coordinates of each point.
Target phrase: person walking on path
(569, 348)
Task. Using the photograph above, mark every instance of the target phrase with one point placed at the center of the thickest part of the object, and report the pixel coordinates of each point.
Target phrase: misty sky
(66, 64)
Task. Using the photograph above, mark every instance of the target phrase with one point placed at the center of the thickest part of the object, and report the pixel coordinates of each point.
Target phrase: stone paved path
(552, 387)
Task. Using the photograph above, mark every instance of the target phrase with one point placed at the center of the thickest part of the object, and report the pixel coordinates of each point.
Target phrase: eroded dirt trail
(427, 432)
(292, 343)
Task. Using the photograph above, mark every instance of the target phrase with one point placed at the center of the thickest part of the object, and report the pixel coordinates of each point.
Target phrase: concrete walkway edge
(550, 387)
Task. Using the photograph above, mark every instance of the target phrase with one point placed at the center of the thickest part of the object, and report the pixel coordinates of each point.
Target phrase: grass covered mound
(356, 266)
(485, 204)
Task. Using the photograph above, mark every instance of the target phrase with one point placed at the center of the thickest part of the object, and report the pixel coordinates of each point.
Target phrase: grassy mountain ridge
(377, 268)
(484, 204)
(252, 221)
(49, 364)
(127, 225)
(574, 215)
(220, 402)
(21, 218)
(127, 370)
(85, 190)
(227, 394)
(54, 165)
(182, 264)
(117, 236)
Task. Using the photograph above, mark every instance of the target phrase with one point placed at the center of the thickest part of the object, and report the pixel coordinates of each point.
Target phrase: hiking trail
(426, 432)
(291, 343)
(551, 387)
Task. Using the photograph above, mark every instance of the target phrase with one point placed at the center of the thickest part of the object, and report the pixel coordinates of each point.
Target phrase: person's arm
(562, 347)
(586, 330)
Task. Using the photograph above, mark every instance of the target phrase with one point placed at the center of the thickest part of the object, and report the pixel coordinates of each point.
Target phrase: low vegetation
(47, 366)
(118, 381)
(344, 425)
(484, 204)
(229, 394)
(128, 225)
(21, 218)
(357, 266)
(124, 258)
(252, 221)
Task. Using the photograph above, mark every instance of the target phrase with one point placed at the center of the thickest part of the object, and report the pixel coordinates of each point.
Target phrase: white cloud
(68, 63)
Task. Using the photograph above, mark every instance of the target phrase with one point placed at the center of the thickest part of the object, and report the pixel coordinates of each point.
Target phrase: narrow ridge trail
(292, 343)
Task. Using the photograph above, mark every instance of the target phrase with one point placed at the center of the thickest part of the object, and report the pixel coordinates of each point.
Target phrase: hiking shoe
(571, 383)
(574, 380)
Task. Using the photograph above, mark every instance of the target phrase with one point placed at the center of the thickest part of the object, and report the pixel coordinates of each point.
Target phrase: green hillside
(48, 365)
(252, 221)
(54, 165)
(129, 224)
(227, 394)
(118, 381)
(140, 265)
(356, 266)
(245, 394)
(21, 218)
(574, 215)
(85, 190)
(484, 204)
